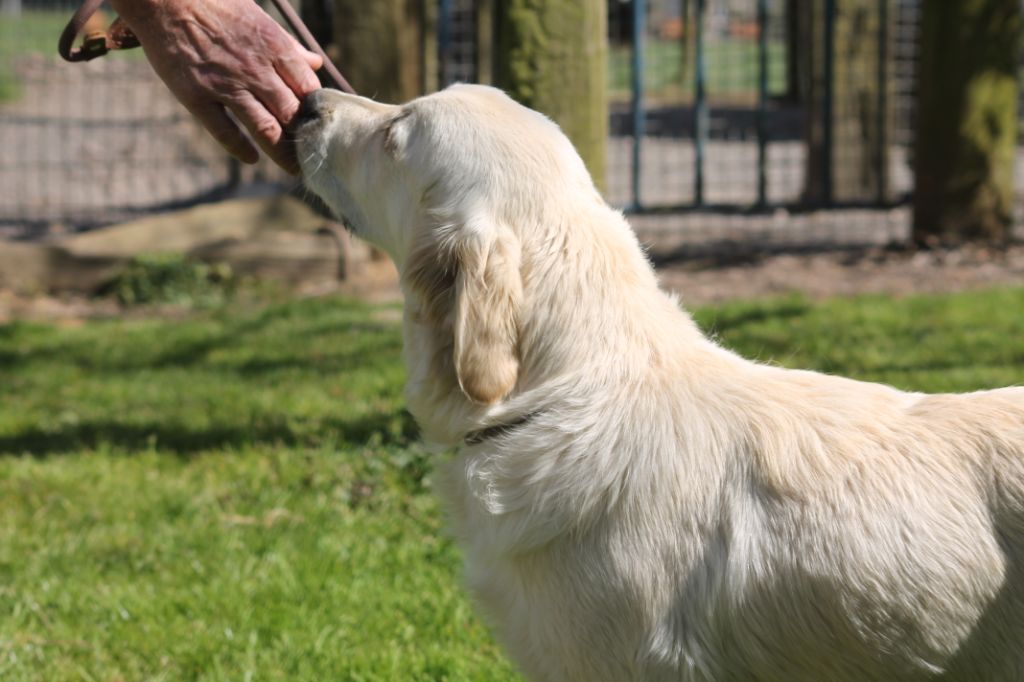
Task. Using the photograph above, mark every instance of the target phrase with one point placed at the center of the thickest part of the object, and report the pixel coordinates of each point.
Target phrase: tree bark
(966, 120)
(551, 55)
(380, 47)
(851, 165)
(317, 17)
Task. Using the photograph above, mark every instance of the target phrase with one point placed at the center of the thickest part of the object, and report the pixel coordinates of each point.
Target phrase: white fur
(669, 510)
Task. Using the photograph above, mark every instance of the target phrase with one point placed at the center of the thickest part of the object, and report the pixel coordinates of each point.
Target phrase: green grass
(31, 32)
(964, 342)
(732, 69)
(240, 495)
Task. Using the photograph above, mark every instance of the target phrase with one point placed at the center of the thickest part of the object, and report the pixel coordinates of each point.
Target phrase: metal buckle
(94, 45)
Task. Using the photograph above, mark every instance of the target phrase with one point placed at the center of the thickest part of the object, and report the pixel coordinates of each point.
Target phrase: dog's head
(451, 186)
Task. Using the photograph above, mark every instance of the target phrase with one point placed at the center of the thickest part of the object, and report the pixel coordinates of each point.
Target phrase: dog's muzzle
(313, 108)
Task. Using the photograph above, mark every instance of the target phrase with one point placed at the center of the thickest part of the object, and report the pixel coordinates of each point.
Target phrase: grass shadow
(725, 319)
(388, 429)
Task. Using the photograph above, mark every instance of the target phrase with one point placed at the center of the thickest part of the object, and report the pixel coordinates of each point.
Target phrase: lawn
(31, 32)
(35, 32)
(238, 494)
(731, 69)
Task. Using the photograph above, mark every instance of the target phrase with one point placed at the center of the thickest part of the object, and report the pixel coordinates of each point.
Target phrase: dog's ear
(488, 298)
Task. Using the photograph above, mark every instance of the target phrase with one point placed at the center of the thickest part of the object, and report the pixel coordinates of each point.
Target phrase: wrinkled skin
(223, 56)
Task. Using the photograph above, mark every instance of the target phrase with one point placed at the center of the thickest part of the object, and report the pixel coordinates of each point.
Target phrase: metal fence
(730, 120)
(789, 122)
(734, 120)
(722, 111)
(97, 142)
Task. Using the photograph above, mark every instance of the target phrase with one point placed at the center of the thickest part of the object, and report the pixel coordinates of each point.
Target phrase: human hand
(228, 55)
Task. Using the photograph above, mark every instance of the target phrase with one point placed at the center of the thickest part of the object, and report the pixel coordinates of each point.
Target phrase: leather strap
(119, 36)
(300, 30)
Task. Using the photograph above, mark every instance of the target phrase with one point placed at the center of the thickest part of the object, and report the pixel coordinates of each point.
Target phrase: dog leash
(119, 36)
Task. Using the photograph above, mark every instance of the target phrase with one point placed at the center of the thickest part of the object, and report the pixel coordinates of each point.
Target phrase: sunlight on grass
(241, 495)
(732, 69)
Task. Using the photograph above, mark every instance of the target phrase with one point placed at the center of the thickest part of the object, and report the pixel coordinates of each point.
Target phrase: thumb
(314, 60)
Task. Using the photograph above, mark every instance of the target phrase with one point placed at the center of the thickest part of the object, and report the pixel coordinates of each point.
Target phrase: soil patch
(874, 270)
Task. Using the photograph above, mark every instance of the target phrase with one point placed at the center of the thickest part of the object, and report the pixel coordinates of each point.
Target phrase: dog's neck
(600, 298)
(498, 430)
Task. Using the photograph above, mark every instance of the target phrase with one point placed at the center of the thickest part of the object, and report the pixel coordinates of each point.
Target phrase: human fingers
(213, 117)
(300, 82)
(265, 129)
(274, 97)
(297, 72)
(295, 66)
(313, 59)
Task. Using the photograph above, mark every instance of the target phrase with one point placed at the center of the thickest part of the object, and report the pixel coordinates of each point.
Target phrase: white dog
(635, 502)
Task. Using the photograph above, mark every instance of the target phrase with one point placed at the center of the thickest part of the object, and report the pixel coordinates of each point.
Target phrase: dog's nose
(311, 108)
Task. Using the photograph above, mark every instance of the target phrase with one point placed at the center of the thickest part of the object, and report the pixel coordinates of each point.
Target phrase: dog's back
(987, 429)
(867, 534)
(995, 422)
(899, 535)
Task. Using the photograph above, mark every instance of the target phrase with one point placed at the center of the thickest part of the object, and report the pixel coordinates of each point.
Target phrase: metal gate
(767, 103)
(746, 106)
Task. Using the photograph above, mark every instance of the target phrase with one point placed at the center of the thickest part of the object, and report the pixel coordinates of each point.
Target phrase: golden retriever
(635, 502)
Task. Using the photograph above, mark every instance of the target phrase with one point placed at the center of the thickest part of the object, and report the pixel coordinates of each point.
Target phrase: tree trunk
(551, 55)
(317, 17)
(848, 134)
(380, 47)
(966, 120)
(811, 92)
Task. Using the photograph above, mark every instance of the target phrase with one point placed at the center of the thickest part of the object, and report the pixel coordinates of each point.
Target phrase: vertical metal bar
(444, 42)
(762, 102)
(883, 100)
(827, 106)
(639, 111)
(701, 104)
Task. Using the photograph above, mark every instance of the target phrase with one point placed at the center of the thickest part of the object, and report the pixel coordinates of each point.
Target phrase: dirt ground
(876, 270)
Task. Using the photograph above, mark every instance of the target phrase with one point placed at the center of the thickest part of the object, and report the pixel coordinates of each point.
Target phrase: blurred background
(207, 471)
(771, 121)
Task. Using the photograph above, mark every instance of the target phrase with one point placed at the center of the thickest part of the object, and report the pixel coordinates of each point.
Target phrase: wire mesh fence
(96, 142)
(730, 120)
(90, 143)
(768, 123)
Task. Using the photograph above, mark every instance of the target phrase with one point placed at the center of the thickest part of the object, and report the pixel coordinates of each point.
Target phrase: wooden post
(847, 133)
(485, 41)
(551, 55)
(431, 61)
(966, 120)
